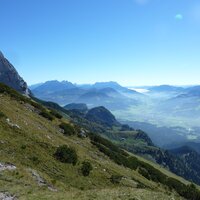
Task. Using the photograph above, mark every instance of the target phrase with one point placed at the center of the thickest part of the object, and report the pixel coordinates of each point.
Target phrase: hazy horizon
(128, 86)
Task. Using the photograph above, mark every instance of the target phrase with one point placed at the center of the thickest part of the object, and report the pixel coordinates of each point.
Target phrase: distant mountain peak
(165, 88)
(10, 76)
(107, 84)
(53, 86)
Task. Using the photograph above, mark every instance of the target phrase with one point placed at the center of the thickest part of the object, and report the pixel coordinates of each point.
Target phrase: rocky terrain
(10, 77)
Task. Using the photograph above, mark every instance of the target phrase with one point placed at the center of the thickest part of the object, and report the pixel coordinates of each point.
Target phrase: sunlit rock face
(10, 77)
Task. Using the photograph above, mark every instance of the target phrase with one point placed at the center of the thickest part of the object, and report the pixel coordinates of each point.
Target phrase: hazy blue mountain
(119, 88)
(184, 106)
(111, 92)
(62, 97)
(193, 145)
(162, 92)
(165, 88)
(191, 92)
(165, 105)
(107, 97)
(34, 86)
(111, 84)
(53, 86)
(182, 150)
(170, 109)
(108, 94)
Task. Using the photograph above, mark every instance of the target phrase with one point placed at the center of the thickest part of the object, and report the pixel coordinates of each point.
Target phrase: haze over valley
(169, 114)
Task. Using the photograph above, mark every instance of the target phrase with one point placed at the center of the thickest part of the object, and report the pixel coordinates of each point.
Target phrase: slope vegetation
(31, 168)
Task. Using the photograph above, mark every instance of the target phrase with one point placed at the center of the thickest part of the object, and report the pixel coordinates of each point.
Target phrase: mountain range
(83, 152)
(174, 108)
(108, 94)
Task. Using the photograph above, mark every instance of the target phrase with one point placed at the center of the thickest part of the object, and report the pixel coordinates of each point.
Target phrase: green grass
(33, 147)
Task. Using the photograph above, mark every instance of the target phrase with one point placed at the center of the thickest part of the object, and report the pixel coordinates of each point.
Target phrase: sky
(133, 42)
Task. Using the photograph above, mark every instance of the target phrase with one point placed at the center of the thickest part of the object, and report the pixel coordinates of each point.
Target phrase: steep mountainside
(9, 76)
(49, 152)
(34, 164)
(135, 141)
(189, 156)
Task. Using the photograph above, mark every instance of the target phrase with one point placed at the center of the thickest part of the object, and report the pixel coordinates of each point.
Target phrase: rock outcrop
(10, 77)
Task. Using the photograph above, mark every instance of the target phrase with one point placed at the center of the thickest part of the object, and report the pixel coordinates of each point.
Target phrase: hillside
(79, 106)
(100, 121)
(189, 156)
(101, 116)
(30, 136)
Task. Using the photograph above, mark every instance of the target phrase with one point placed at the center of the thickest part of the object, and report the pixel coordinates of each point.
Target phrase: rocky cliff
(10, 77)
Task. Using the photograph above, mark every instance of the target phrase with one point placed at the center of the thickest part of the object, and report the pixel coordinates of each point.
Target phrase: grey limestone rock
(9, 76)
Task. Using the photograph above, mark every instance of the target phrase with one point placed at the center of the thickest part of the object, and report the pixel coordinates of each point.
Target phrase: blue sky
(133, 42)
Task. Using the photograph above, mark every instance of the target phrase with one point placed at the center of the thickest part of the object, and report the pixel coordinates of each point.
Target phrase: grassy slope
(32, 147)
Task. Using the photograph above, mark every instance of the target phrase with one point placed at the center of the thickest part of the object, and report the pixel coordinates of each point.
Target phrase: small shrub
(56, 114)
(86, 168)
(66, 154)
(53, 181)
(141, 185)
(23, 146)
(115, 179)
(34, 159)
(2, 115)
(46, 115)
(68, 129)
(144, 173)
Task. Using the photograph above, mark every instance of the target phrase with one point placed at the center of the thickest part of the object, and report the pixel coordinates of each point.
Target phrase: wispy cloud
(178, 16)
